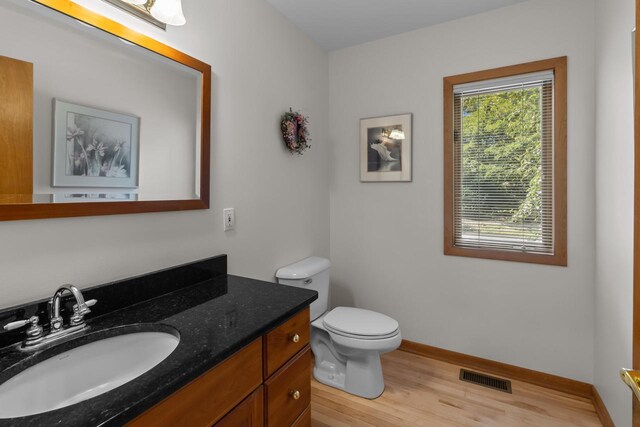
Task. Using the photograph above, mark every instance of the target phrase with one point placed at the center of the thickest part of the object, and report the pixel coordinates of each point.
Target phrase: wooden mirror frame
(11, 212)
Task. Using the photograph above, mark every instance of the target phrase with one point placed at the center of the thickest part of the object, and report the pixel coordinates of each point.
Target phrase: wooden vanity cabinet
(267, 383)
(249, 413)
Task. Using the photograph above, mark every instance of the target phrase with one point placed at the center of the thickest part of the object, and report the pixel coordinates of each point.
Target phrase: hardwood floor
(426, 392)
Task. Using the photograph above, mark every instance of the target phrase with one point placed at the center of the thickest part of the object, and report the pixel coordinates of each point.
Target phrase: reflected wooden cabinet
(16, 137)
(241, 392)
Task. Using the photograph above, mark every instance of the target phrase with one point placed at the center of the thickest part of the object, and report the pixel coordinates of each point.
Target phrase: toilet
(346, 342)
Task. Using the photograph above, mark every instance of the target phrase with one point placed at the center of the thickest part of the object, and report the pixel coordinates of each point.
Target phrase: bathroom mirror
(121, 122)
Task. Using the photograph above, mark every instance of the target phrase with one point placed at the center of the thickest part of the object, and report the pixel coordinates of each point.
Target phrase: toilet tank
(310, 273)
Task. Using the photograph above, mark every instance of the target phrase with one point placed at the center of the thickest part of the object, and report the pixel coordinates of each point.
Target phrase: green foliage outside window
(502, 162)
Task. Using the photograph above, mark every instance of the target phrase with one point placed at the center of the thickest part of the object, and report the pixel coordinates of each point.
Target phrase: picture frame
(93, 197)
(386, 148)
(94, 147)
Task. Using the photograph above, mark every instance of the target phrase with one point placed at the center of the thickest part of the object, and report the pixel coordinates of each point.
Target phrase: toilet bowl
(346, 342)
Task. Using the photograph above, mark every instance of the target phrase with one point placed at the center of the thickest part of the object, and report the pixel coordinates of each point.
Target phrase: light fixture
(396, 134)
(166, 11)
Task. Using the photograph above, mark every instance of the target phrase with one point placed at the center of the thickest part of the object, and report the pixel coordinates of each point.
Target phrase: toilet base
(361, 380)
(358, 374)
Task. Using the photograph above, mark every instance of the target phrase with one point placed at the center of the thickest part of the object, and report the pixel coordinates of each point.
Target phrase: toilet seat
(361, 343)
(361, 337)
(360, 324)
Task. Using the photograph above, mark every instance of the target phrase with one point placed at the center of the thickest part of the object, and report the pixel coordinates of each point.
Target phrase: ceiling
(335, 24)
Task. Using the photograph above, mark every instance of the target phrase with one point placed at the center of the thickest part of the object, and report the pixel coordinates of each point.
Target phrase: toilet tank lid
(304, 269)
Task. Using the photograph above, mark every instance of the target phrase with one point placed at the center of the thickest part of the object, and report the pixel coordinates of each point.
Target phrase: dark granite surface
(120, 294)
(215, 317)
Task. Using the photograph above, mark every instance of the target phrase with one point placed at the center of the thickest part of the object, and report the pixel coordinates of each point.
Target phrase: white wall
(614, 203)
(386, 239)
(262, 65)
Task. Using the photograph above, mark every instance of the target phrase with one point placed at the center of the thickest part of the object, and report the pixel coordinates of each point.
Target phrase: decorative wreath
(294, 131)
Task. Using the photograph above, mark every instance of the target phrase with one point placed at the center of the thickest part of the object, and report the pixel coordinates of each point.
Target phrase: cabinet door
(249, 413)
(303, 420)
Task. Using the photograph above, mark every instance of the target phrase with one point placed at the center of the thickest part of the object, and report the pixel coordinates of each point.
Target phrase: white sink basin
(83, 372)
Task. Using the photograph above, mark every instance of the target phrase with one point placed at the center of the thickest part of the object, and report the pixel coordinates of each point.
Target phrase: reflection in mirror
(112, 121)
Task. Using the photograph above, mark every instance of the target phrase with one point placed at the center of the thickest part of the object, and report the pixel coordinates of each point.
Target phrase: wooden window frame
(559, 256)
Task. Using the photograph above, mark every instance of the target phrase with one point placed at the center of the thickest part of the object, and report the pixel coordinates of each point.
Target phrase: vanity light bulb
(138, 2)
(169, 12)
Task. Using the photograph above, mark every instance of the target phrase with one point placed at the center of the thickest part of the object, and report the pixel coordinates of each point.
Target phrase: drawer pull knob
(295, 338)
(295, 395)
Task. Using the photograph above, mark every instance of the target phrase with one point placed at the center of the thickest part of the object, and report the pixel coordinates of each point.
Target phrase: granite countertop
(215, 318)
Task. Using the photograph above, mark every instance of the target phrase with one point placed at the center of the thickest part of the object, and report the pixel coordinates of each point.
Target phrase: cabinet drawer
(209, 397)
(285, 341)
(288, 392)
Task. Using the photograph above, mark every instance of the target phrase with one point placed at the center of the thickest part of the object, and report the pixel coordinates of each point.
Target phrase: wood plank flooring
(425, 392)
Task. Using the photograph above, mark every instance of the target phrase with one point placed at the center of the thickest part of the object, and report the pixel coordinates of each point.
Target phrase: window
(505, 163)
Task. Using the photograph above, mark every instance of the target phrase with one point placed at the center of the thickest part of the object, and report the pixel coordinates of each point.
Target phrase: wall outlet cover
(229, 217)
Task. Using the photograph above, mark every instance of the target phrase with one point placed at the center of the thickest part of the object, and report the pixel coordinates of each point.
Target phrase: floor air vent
(485, 380)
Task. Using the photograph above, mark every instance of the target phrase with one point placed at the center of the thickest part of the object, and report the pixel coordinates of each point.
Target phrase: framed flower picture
(94, 148)
(385, 149)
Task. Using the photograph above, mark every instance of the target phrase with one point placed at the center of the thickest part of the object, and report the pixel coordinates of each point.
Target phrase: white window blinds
(503, 164)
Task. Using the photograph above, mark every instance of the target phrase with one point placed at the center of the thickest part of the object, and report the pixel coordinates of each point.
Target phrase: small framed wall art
(93, 147)
(385, 148)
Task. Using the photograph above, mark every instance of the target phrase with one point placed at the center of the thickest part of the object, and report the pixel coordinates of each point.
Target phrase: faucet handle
(79, 311)
(84, 307)
(34, 332)
(20, 323)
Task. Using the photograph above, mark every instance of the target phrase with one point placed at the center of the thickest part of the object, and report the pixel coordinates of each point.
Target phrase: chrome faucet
(36, 338)
(80, 308)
